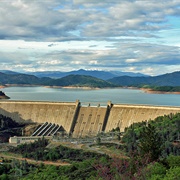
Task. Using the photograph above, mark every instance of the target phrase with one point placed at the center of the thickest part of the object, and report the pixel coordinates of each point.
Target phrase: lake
(102, 96)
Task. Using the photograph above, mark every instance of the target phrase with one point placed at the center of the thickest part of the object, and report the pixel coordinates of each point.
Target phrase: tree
(150, 142)
(4, 177)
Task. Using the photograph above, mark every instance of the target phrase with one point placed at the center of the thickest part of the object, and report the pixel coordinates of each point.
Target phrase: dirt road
(32, 161)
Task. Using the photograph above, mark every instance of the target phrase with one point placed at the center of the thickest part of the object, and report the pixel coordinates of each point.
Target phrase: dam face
(90, 121)
(81, 121)
(40, 112)
(123, 116)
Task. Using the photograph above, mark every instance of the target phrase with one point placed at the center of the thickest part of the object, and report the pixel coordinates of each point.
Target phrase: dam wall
(81, 121)
(123, 116)
(90, 121)
(40, 112)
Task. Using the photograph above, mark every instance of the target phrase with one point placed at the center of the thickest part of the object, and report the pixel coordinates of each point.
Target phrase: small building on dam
(82, 120)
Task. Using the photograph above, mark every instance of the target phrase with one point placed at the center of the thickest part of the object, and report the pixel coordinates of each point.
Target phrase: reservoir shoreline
(92, 96)
(145, 90)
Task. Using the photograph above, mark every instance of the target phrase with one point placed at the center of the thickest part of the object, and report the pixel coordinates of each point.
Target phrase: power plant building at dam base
(79, 120)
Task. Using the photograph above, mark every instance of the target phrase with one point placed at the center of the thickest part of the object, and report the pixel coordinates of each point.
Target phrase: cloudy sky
(64, 35)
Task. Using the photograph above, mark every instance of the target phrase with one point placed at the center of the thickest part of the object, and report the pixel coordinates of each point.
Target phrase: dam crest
(82, 120)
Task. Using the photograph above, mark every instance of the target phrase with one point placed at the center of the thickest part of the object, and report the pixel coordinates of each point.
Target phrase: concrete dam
(79, 120)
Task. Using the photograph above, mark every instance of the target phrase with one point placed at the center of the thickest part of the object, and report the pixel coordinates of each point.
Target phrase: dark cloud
(51, 45)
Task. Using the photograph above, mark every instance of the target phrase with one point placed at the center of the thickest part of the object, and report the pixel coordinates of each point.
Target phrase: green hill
(80, 81)
(170, 79)
(21, 79)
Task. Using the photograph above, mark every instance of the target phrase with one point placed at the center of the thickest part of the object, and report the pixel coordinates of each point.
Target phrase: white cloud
(110, 35)
(131, 60)
(92, 62)
(76, 62)
(50, 62)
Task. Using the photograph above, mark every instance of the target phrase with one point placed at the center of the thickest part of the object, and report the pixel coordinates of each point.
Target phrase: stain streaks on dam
(80, 121)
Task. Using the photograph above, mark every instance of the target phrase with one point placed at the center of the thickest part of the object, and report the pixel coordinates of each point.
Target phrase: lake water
(102, 96)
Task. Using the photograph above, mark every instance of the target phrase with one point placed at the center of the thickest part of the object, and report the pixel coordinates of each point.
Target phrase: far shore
(146, 90)
(150, 91)
(72, 87)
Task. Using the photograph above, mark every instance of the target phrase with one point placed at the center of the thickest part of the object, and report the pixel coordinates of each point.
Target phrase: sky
(109, 35)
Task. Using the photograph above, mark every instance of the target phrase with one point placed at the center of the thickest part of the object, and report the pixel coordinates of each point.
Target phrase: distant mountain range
(10, 77)
(94, 73)
(70, 80)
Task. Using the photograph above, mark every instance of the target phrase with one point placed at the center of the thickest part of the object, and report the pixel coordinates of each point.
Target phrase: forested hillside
(8, 128)
(152, 152)
(21, 79)
(171, 79)
(159, 134)
(71, 80)
(80, 81)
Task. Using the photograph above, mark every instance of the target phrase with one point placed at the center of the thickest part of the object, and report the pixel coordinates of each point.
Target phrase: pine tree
(150, 142)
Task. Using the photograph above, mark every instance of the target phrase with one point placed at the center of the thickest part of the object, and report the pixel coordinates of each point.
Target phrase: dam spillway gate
(79, 120)
(47, 129)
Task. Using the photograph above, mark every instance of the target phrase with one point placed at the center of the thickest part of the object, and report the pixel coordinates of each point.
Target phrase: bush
(173, 161)
(173, 174)
(155, 170)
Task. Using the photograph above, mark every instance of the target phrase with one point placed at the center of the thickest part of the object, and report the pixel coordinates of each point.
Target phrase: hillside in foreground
(150, 151)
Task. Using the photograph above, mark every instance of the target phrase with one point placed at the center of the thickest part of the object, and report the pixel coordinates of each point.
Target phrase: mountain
(170, 79)
(70, 80)
(131, 74)
(80, 81)
(50, 74)
(9, 72)
(94, 73)
(21, 79)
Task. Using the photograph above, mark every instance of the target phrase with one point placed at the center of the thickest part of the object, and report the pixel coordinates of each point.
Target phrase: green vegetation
(18, 79)
(151, 152)
(162, 88)
(2, 93)
(80, 81)
(8, 128)
(166, 88)
(150, 142)
(163, 132)
(7, 122)
(166, 82)
(171, 79)
(38, 151)
(71, 80)
(77, 171)
(3, 96)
